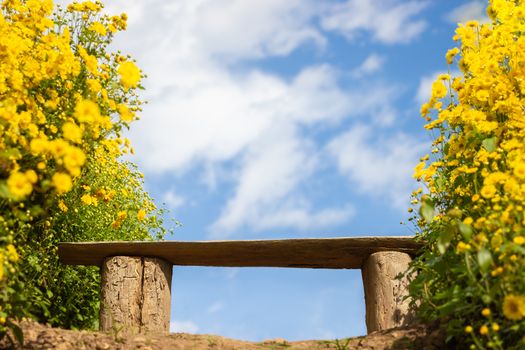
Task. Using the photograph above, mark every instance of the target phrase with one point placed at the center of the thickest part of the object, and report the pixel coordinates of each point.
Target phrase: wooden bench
(136, 276)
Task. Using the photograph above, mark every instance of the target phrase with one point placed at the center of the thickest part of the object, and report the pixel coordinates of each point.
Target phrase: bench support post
(384, 294)
(136, 295)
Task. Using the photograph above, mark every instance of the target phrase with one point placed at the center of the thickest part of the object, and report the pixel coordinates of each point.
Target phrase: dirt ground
(41, 337)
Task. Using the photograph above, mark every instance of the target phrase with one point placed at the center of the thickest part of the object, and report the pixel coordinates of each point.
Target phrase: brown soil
(41, 337)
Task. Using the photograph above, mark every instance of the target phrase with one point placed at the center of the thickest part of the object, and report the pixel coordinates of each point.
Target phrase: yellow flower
(483, 330)
(488, 191)
(125, 114)
(13, 254)
(468, 221)
(451, 54)
(485, 312)
(468, 329)
(514, 307)
(31, 176)
(39, 145)
(519, 170)
(62, 182)
(141, 215)
(419, 170)
(519, 240)
(88, 200)
(73, 160)
(129, 74)
(121, 215)
(462, 247)
(94, 85)
(19, 185)
(495, 327)
(438, 90)
(99, 28)
(87, 111)
(62, 206)
(116, 224)
(72, 132)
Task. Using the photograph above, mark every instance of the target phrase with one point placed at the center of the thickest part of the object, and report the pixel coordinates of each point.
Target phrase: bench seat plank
(335, 253)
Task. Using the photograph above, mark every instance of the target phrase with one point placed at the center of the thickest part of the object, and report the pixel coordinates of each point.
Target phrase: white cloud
(252, 29)
(215, 307)
(173, 200)
(177, 326)
(244, 126)
(371, 64)
(389, 21)
(220, 117)
(304, 218)
(273, 167)
(473, 10)
(380, 166)
(227, 30)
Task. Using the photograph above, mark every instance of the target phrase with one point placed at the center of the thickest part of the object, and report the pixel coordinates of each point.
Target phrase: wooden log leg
(135, 296)
(156, 296)
(384, 293)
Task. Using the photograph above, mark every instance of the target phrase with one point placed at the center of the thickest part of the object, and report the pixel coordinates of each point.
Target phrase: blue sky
(282, 119)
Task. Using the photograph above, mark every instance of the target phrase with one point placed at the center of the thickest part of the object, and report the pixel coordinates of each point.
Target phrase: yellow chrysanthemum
(87, 111)
(72, 132)
(451, 54)
(514, 307)
(19, 185)
(13, 254)
(484, 330)
(99, 28)
(121, 215)
(125, 114)
(129, 74)
(520, 240)
(62, 182)
(62, 206)
(519, 171)
(488, 191)
(89, 200)
(438, 89)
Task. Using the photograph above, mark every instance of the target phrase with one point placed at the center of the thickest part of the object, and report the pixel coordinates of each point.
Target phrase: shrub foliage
(64, 100)
(472, 212)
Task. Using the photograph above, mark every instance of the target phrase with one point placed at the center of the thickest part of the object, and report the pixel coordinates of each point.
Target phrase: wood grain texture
(386, 306)
(156, 296)
(121, 289)
(136, 295)
(335, 253)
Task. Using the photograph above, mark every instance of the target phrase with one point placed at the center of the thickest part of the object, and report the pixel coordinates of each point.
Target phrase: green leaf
(4, 191)
(19, 335)
(439, 183)
(486, 298)
(11, 153)
(444, 239)
(465, 230)
(484, 259)
(427, 211)
(490, 144)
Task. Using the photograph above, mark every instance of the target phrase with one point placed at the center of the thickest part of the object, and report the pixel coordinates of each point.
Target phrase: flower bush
(64, 101)
(471, 215)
